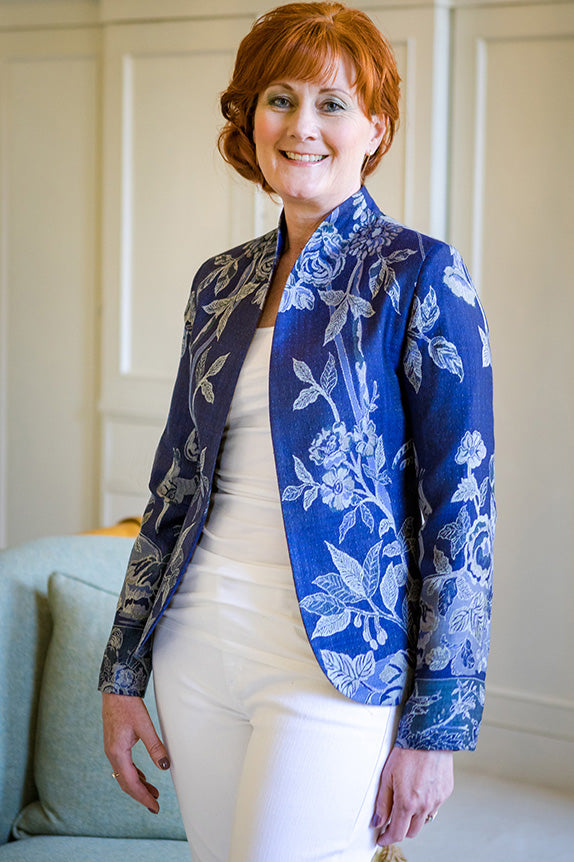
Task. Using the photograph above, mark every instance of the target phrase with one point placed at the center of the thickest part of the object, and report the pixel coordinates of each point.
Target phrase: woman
(314, 563)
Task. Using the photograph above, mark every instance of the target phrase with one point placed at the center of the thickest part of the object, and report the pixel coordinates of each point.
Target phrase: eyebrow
(287, 86)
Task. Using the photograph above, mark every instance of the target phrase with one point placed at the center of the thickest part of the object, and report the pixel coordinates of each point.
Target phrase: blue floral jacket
(381, 417)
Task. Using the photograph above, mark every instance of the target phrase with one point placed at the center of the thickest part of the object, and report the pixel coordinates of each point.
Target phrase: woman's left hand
(413, 786)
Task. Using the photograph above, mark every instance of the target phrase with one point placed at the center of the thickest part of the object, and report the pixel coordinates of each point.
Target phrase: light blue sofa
(58, 800)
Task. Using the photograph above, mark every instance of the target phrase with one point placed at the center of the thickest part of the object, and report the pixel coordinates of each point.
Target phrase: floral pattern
(381, 418)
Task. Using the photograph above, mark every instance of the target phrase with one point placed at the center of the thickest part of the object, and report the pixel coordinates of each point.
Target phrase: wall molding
(34, 14)
(526, 712)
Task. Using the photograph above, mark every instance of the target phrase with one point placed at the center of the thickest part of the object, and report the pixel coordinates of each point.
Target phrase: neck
(299, 231)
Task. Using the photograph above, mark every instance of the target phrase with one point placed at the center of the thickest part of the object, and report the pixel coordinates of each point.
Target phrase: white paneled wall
(49, 234)
(113, 194)
(169, 202)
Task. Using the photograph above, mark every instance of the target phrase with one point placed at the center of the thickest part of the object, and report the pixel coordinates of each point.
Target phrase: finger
(383, 802)
(154, 746)
(416, 824)
(397, 828)
(131, 783)
(151, 787)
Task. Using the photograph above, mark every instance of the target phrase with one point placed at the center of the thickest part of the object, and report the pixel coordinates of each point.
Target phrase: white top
(245, 521)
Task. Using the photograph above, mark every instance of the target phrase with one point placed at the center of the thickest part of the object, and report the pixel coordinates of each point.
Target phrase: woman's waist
(245, 529)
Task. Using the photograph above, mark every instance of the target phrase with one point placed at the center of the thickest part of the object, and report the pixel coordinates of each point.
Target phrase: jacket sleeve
(126, 666)
(448, 397)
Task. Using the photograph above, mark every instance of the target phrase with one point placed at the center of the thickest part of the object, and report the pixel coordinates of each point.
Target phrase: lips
(310, 158)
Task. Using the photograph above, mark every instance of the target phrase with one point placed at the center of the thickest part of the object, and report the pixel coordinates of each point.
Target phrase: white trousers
(270, 763)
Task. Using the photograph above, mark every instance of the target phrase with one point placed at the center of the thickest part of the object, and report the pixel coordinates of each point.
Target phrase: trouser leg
(206, 739)
(310, 776)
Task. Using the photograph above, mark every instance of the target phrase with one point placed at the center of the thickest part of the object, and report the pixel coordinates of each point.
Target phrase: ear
(378, 129)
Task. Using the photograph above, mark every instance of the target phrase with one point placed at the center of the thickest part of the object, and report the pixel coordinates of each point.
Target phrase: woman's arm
(448, 402)
(125, 669)
(448, 397)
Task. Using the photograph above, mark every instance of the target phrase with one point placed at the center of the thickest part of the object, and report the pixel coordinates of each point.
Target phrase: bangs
(310, 56)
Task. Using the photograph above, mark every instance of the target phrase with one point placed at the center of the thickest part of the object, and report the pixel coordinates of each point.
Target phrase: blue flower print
(338, 487)
(480, 543)
(365, 437)
(438, 657)
(330, 447)
(322, 261)
(471, 451)
(297, 296)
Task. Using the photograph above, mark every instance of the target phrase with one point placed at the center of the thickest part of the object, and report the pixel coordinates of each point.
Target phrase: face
(311, 139)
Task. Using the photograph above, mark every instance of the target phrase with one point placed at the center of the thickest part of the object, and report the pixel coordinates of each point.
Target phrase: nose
(303, 124)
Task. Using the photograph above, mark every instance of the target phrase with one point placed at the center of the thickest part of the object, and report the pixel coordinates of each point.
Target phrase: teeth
(304, 157)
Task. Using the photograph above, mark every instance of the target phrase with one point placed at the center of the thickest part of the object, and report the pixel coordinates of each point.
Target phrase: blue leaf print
(331, 625)
(292, 492)
(413, 363)
(302, 473)
(367, 518)
(303, 371)
(458, 280)
(347, 523)
(337, 322)
(321, 603)
(444, 354)
(347, 673)
(372, 570)
(429, 311)
(336, 586)
(389, 588)
(467, 490)
(486, 356)
(350, 570)
(310, 496)
(306, 397)
(456, 532)
(329, 376)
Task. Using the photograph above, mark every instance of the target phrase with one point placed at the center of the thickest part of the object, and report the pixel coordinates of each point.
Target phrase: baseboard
(519, 755)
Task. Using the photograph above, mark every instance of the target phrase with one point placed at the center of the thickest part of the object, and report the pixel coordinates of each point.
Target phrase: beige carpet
(492, 820)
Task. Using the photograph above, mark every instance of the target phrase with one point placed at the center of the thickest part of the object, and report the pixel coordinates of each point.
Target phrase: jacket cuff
(442, 715)
(121, 671)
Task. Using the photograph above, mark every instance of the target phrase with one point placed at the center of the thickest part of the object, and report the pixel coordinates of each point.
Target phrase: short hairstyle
(306, 41)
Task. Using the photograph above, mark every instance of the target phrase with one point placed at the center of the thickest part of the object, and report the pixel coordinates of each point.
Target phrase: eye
(279, 101)
(332, 106)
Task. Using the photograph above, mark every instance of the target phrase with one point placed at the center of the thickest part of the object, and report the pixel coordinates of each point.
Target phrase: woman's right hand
(126, 720)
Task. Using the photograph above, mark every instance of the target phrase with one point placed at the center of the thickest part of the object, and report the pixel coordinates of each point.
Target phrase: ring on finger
(431, 817)
(115, 775)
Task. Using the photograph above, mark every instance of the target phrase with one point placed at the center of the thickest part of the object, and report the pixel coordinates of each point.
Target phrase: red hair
(306, 41)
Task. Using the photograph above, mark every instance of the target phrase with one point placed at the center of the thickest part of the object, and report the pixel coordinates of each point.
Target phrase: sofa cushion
(43, 848)
(77, 795)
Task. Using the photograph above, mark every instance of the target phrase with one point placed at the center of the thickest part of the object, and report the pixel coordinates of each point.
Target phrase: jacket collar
(343, 222)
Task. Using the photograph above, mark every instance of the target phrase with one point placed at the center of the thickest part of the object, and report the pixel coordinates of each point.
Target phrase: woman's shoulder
(410, 263)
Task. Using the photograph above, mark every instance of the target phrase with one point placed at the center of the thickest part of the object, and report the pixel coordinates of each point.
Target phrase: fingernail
(153, 811)
(164, 763)
(376, 820)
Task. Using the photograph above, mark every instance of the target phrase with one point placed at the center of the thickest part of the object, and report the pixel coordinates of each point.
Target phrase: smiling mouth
(303, 157)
